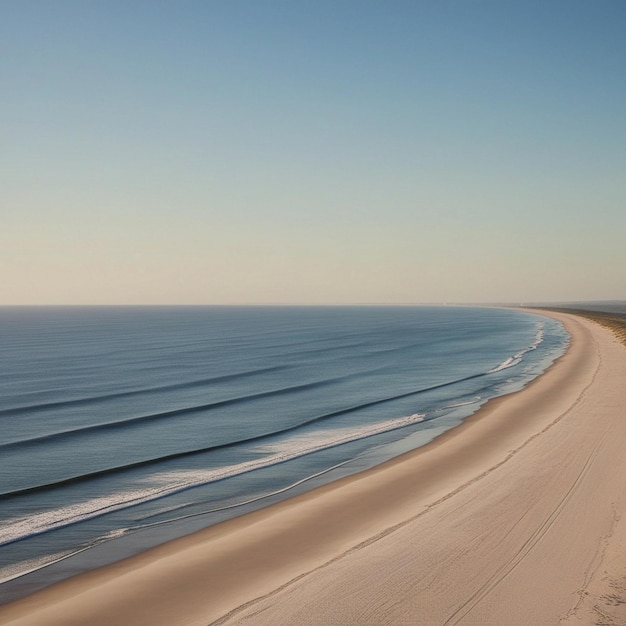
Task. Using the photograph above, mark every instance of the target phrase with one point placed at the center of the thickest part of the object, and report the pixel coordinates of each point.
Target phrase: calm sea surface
(123, 427)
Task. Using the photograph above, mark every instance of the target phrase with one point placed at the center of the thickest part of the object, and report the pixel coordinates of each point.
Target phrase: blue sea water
(122, 427)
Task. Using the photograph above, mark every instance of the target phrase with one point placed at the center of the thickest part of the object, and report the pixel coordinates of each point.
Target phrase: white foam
(510, 362)
(167, 483)
(460, 404)
(10, 572)
(517, 358)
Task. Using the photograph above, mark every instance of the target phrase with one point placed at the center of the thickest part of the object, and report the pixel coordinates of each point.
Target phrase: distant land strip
(615, 322)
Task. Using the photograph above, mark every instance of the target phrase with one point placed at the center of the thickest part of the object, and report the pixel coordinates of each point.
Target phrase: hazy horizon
(312, 153)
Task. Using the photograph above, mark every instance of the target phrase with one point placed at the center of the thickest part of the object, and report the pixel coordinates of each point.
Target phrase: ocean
(123, 427)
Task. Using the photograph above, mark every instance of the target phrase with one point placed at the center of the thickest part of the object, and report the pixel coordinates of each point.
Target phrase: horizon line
(319, 304)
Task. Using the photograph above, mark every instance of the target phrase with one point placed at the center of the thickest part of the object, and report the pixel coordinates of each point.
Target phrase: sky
(312, 152)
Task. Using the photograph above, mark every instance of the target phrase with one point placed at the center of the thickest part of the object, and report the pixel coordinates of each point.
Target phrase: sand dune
(515, 517)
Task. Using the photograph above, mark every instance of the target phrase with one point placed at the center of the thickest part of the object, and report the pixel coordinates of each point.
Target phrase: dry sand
(515, 517)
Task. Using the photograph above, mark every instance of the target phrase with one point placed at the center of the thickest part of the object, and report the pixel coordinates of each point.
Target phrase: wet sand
(514, 517)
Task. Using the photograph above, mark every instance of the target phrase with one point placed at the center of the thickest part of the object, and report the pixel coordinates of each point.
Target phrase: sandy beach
(514, 517)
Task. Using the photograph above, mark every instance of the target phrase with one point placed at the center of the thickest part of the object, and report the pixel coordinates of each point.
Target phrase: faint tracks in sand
(525, 549)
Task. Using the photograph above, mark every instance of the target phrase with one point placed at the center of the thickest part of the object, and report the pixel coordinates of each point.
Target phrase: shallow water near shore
(123, 427)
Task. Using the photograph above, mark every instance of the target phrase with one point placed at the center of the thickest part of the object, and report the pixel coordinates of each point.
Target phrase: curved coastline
(291, 550)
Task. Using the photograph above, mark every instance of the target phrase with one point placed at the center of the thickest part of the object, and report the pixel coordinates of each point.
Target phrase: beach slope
(514, 517)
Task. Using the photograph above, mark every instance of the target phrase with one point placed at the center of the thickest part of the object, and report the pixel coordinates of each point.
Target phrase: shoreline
(252, 559)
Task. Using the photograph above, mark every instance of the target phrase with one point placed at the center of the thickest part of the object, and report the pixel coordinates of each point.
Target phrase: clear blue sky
(318, 151)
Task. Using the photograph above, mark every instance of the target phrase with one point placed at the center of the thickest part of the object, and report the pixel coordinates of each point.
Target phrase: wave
(26, 567)
(457, 405)
(225, 507)
(517, 358)
(196, 451)
(509, 362)
(168, 483)
(10, 572)
(104, 426)
(154, 417)
(62, 404)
